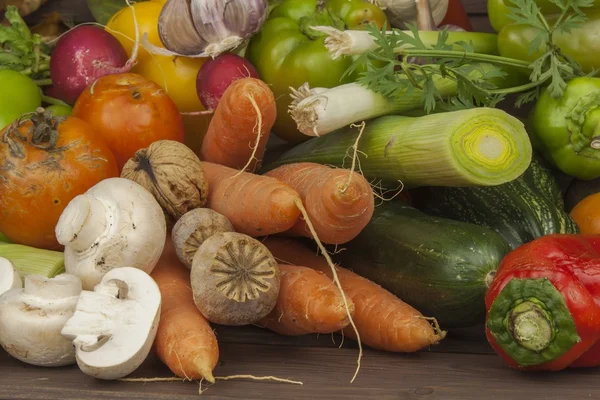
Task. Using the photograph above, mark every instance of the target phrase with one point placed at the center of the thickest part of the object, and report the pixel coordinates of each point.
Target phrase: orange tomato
(130, 113)
(587, 214)
(38, 178)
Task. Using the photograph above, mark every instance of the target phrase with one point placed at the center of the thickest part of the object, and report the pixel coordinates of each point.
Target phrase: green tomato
(18, 95)
(581, 44)
(567, 130)
(287, 53)
(59, 110)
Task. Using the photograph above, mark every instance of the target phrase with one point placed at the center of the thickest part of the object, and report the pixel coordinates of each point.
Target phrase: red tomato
(130, 112)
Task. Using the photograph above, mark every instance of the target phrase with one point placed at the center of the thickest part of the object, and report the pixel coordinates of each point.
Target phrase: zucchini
(439, 266)
(520, 211)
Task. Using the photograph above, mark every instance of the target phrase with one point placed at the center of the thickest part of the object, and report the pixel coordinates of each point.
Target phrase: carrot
(185, 342)
(339, 202)
(383, 321)
(308, 302)
(259, 205)
(239, 129)
(256, 205)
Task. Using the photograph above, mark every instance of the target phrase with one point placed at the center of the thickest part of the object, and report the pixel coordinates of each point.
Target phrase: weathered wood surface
(462, 367)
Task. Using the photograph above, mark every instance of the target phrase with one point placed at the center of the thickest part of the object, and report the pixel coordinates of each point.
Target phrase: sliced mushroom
(114, 326)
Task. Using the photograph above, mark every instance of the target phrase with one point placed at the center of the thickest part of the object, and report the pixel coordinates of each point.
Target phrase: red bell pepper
(544, 304)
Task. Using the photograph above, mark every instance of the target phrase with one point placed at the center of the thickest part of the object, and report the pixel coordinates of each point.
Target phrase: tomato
(122, 27)
(37, 182)
(18, 95)
(130, 112)
(176, 75)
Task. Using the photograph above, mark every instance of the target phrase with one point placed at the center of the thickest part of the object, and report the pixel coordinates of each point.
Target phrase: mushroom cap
(31, 320)
(9, 276)
(113, 327)
(116, 223)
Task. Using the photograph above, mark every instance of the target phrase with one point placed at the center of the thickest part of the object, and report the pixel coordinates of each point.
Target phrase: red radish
(216, 75)
(81, 56)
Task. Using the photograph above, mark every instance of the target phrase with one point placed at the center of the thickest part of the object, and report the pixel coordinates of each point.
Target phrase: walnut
(173, 173)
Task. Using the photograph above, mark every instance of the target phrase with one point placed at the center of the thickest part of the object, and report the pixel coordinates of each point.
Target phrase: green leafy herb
(21, 50)
(394, 73)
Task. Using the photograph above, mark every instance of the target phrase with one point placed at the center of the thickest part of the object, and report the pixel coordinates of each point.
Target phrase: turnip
(81, 56)
(216, 75)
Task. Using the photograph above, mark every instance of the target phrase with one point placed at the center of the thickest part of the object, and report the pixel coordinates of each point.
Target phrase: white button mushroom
(9, 276)
(114, 224)
(114, 326)
(31, 320)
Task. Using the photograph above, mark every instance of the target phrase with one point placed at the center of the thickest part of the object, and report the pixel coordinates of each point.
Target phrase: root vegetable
(9, 276)
(239, 129)
(114, 326)
(172, 173)
(308, 302)
(339, 202)
(185, 341)
(217, 74)
(384, 321)
(31, 320)
(194, 228)
(116, 223)
(256, 205)
(235, 279)
(83, 55)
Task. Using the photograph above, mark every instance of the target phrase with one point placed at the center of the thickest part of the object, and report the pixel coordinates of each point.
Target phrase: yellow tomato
(159, 1)
(122, 27)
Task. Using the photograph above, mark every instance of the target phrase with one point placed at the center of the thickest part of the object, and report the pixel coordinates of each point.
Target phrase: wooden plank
(325, 372)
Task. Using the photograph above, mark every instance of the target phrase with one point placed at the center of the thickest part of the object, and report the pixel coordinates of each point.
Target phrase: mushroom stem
(82, 222)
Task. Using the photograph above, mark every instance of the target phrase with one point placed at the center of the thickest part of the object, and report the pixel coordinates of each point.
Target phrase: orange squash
(587, 214)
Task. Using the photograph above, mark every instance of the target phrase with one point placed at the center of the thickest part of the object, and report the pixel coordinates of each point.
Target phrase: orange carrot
(339, 202)
(383, 321)
(308, 302)
(256, 205)
(239, 130)
(185, 342)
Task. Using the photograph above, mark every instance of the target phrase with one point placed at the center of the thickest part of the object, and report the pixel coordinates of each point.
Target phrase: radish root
(336, 279)
(361, 126)
(218, 378)
(258, 126)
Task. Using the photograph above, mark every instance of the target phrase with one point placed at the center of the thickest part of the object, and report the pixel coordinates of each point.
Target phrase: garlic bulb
(207, 28)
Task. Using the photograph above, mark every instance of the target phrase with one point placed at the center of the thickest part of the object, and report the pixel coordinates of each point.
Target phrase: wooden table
(462, 367)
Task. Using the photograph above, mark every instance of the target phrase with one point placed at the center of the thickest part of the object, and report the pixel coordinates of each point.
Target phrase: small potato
(235, 279)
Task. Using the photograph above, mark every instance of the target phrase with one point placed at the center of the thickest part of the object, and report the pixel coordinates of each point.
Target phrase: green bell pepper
(498, 11)
(567, 130)
(287, 53)
(581, 44)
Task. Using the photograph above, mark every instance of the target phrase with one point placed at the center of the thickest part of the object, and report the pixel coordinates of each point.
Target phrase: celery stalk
(31, 261)
(473, 147)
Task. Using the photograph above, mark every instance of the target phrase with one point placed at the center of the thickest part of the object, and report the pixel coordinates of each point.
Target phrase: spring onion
(355, 42)
(471, 147)
(31, 261)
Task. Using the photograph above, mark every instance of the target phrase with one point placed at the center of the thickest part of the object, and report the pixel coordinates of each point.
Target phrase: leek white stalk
(319, 111)
(355, 42)
(31, 261)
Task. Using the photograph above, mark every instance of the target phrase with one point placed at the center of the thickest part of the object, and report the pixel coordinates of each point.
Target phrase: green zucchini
(522, 210)
(439, 266)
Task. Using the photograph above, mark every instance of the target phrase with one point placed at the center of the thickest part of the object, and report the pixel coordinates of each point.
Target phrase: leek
(31, 261)
(354, 42)
(471, 147)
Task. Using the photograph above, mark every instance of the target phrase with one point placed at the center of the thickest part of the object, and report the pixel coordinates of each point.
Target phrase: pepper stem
(530, 326)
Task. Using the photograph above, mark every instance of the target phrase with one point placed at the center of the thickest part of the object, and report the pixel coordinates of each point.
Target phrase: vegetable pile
(144, 198)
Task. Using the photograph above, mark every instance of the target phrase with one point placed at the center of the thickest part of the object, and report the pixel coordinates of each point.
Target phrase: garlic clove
(176, 29)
